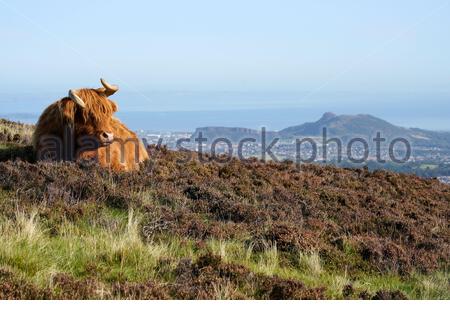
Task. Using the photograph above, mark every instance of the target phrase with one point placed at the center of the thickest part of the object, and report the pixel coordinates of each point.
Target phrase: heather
(235, 230)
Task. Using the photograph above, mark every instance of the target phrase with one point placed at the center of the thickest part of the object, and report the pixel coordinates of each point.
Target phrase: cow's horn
(109, 88)
(75, 98)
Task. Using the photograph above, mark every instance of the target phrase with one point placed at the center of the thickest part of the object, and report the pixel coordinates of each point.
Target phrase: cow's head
(89, 112)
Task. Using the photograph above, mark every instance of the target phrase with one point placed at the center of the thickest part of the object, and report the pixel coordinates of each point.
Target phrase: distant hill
(363, 125)
(346, 125)
(342, 126)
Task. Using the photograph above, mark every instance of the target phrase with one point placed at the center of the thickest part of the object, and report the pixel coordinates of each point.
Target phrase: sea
(178, 111)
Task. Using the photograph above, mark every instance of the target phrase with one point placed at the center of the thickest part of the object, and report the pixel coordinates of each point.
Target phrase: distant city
(429, 151)
(429, 158)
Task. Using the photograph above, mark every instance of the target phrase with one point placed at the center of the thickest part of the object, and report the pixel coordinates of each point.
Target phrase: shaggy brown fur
(67, 131)
(125, 154)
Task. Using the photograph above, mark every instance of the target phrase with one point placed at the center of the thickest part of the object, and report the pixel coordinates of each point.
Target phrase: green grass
(108, 247)
(113, 252)
(311, 271)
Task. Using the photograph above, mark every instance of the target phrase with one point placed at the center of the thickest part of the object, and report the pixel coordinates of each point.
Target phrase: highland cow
(81, 126)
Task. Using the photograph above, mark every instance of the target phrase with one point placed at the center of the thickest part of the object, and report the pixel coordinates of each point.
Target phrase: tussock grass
(436, 286)
(268, 260)
(224, 291)
(28, 226)
(310, 262)
(337, 284)
(119, 253)
(78, 250)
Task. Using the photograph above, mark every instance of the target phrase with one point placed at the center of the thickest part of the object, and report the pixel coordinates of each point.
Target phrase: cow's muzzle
(106, 138)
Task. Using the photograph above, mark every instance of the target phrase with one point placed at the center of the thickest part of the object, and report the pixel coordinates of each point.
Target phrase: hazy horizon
(274, 111)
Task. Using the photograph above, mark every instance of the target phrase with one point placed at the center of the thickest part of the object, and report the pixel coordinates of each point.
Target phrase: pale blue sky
(313, 47)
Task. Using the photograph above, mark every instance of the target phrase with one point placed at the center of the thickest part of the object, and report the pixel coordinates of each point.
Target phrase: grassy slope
(241, 230)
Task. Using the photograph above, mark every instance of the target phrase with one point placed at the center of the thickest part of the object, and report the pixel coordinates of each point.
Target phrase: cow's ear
(114, 106)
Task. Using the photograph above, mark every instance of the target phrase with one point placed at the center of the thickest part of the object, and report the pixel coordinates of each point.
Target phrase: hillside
(241, 230)
(15, 133)
(15, 141)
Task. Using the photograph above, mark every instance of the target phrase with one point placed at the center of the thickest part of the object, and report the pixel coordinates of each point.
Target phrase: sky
(314, 49)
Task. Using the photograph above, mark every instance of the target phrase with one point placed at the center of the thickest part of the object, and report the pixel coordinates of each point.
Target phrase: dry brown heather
(240, 230)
